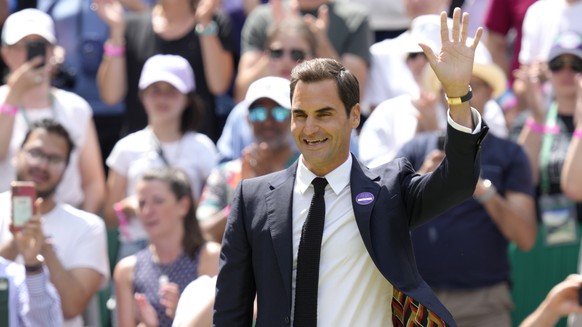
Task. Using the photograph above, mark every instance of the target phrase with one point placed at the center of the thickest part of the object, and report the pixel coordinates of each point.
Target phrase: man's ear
(355, 116)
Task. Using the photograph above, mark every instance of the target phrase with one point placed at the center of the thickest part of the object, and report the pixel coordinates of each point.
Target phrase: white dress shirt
(352, 291)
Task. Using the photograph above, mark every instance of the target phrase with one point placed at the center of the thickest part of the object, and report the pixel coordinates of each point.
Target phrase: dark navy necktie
(307, 279)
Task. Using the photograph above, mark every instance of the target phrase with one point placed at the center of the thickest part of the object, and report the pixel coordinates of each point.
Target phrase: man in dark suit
(367, 272)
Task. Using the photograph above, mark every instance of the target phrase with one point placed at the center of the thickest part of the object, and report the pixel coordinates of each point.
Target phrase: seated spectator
(31, 298)
(560, 301)
(341, 29)
(269, 115)
(75, 250)
(288, 43)
(149, 283)
(194, 30)
(28, 97)
(167, 92)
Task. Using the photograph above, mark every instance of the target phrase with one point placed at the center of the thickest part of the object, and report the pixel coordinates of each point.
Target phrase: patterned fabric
(407, 312)
(147, 274)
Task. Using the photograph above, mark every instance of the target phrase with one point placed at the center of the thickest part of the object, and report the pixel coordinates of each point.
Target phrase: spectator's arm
(253, 64)
(76, 286)
(116, 186)
(571, 178)
(497, 45)
(560, 301)
(123, 277)
(92, 174)
(44, 306)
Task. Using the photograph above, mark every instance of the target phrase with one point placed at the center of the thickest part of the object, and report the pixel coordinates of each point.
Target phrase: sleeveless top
(148, 275)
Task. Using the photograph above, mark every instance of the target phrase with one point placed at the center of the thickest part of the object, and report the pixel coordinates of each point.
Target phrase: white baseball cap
(171, 69)
(28, 22)
(270, 87)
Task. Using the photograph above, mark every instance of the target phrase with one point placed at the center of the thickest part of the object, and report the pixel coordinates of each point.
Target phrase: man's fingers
(477, 38)
(445, 38)
(456, 24)
(465, 28)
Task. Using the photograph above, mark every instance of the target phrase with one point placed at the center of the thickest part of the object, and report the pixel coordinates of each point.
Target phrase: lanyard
(53, 111)
(544, 158)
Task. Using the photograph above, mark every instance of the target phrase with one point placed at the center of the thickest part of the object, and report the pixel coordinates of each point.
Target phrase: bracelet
(540, 128)
(459, 100)
(577, 133)
(491, 191)
(112, 50)
(9, 109)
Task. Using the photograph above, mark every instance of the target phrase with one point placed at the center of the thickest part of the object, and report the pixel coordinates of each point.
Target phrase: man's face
(320, 125)
(42, 160)
(270, 123)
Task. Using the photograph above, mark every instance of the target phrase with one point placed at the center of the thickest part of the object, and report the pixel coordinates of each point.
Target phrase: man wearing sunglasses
(269, 115)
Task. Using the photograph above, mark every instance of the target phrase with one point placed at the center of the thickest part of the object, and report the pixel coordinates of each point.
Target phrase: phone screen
(36, 49)
(23, 196)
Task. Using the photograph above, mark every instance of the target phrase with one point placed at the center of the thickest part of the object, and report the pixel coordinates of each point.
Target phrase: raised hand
(30, 239)
(453, 66)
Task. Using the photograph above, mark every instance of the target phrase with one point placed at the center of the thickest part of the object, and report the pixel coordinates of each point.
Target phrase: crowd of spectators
(137, 119)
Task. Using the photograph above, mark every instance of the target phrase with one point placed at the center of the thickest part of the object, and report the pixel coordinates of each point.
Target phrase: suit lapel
(279, 215)
(364, 189)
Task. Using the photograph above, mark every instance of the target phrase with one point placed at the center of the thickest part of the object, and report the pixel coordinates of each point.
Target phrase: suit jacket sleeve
(451, 183)
(235, 308)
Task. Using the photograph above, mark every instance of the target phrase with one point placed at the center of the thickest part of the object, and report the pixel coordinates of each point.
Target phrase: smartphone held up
(23, 197)
(35, 49)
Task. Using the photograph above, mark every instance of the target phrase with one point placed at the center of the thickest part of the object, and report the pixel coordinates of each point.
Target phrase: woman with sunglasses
(545, 138)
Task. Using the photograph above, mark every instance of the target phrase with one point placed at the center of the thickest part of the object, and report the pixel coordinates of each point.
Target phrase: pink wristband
(539, 128)
(9, 109)
(113, 50)
(577, 133)
(122, 219)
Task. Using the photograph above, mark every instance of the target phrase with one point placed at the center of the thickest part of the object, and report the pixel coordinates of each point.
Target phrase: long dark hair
(179, 185)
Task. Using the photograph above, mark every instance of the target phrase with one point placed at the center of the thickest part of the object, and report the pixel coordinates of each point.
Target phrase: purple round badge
(365, 198)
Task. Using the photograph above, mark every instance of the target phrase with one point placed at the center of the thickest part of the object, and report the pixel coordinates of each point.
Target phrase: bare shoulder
(123, 272)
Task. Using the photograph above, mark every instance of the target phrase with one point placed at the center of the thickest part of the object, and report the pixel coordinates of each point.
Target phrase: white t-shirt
(543, 21)
(75, 114)
(393, 123)
(136, 153)
(79, 240)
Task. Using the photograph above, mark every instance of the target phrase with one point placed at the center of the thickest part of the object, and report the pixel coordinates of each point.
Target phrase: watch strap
(459, 100)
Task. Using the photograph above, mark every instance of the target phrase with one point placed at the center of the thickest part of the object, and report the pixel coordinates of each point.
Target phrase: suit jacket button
(287, 320)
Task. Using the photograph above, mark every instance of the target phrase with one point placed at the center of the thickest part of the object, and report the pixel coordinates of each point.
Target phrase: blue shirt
(44, 310)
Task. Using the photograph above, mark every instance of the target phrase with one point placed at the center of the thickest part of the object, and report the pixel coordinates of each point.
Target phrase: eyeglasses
(296, 54)
(36, 157)
(260, 114)
(560, 63)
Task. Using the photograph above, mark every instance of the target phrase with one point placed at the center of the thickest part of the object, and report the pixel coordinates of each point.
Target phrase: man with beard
(269, 115)
(75, 248)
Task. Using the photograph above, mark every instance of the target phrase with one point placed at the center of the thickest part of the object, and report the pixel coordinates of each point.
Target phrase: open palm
(454, 64)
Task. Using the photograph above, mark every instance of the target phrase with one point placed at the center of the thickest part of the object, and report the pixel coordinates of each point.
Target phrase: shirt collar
(337, 178)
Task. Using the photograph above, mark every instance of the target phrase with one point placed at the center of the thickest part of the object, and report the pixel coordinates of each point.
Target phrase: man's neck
(47, 205)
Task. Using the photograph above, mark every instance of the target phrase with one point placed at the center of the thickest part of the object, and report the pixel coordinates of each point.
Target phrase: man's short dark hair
(321, 69)
(53, 127)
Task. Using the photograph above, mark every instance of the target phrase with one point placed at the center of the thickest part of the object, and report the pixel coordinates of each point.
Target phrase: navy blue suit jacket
(256, 256)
